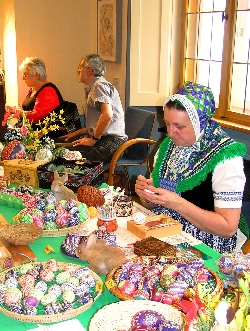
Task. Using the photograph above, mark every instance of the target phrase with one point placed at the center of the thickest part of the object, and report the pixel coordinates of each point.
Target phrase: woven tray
(55, 317)
(115, 291)
(59, 232)
(64, 231)
(106, 320)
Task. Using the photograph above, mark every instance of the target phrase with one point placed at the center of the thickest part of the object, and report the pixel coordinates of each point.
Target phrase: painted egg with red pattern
(13, 150)
(126, 287)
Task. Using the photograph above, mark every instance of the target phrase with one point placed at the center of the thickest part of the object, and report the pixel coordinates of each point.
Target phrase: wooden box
(22, 171)
(157, 226)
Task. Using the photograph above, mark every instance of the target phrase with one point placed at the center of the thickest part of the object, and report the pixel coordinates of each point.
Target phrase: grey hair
(34, 65)
(95, 62)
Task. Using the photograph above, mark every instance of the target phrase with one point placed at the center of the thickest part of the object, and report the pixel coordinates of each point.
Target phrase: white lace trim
(190, 108)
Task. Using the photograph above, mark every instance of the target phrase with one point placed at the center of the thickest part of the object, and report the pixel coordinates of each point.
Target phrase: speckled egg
(48, 298)
(12, 295)
(40, 204)
(26, 290)
(52, 265)
(36, 293)
(42, 286)
(11, 282)
(65, 306)
(52, 308)
(11, 274)
(149, 318)
(81, 272)
(16, 308)
(25, 280)
(25, 267)
(50, 216)
(47, 275)
(73, 280)
(56, 289)
(29, 310)
(62, 277)
(80, 290)
(68, 286)
(169, 326)
(62, 219)
(68, 296)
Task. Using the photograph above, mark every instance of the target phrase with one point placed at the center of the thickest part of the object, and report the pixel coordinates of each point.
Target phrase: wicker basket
(64, 231)
(118, 316)
(59, 232)
(55, 317)
(20, 234)
(115, 291)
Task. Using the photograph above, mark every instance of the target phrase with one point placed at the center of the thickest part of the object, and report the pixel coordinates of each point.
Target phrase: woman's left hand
(84, 141)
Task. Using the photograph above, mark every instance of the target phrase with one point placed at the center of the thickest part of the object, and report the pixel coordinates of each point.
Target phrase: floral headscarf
(198, 100)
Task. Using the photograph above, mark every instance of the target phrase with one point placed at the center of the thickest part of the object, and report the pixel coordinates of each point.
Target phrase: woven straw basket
(20, 234)
(59, 232)
(115, 291)
(55, 317)
(118, 316)
(65, 231)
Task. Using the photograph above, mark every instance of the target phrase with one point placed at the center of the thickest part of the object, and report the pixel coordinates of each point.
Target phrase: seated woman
(43, 96)
(198, 177)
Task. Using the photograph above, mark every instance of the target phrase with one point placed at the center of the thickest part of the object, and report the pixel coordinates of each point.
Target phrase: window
(216, 53)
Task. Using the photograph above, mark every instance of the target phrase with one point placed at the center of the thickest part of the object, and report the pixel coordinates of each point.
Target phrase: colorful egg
(47, 275)
(48, 298)
(45, 155)
(30, 301)
(225, 264)
(68, 296)
(36, 293)
(126, 287)
(149, 318)
(16, 308)
(62, 277)
(13, 150)
(169, 326)
(157, 294)
(29, 310)
(52, 308)
(56, 289)
(42, 286)
(26, 279)
(52, 265)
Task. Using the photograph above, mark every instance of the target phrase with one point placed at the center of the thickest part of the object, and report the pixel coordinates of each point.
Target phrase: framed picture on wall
(109, 28)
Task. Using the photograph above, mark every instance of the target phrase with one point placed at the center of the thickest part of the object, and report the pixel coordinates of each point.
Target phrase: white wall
(61, 32)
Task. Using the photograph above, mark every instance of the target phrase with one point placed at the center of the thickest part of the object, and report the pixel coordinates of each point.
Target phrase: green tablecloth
(38, 246)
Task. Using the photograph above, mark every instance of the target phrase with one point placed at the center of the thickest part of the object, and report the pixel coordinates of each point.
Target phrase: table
(123, 236)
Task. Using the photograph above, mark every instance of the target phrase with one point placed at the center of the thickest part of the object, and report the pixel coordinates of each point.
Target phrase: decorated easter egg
(47, 275)
(13, 150)
(42, 286)
(157, 294)
(68, 286)
(62, 277)
(127, 287)
(16, 308)
(225, 264)
(29, 310)
(56, 289)
(48, 298)
(44, 155)
(52, 308)
(149, 318)
(65, 306)
(84, 271)
(141, 295)
(68, 296)
(25, 280)
(12, 295)
(139, 217)
(169, 326)
(11, 282)
(52, 265)
(30, 301)
(36, 293)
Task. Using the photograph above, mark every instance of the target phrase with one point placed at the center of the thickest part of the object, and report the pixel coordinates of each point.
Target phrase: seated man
(104, 115)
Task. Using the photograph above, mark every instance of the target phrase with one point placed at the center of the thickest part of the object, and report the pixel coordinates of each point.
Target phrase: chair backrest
(139, 123)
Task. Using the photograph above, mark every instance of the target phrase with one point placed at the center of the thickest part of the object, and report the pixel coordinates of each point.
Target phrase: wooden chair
(139, 125)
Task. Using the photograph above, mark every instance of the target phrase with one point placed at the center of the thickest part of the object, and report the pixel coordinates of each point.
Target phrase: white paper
(62, 326)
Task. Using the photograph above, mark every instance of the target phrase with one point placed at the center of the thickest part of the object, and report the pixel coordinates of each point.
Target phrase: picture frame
(109, 29)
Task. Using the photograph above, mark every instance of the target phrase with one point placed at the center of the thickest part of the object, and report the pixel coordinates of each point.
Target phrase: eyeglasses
(27, 75)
